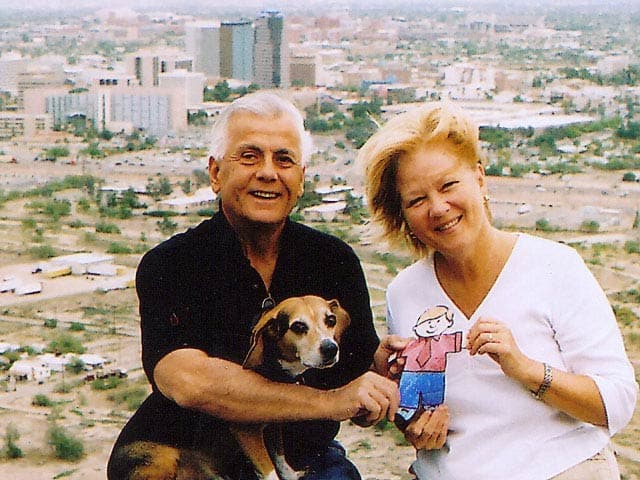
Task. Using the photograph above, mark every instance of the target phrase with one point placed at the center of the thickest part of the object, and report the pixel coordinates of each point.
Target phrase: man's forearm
(226, 390)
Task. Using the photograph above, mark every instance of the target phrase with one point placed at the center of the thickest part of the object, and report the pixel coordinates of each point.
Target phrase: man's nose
(267, 169)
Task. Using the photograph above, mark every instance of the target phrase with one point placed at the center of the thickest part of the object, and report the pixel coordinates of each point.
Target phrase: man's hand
(429, 430)
(389, 346)
(369, 399)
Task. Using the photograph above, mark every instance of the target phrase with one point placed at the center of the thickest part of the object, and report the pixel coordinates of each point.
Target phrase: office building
(203, 44)
(236, 50)
(270, 51)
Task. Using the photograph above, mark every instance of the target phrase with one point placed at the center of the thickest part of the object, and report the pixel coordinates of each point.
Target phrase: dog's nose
(328, 349)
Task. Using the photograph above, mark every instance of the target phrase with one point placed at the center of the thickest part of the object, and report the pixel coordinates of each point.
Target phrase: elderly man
(201, 290)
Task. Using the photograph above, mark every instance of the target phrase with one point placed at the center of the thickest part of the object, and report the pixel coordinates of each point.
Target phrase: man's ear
(304, 168)
(214, 174)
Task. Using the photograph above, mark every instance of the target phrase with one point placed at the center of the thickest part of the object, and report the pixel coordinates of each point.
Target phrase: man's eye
(450, 184)
(286, 161)
(249, 158)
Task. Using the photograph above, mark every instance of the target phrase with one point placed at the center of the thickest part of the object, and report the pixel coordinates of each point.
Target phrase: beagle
(297, 334)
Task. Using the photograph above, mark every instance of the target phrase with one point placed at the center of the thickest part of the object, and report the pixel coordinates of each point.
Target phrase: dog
(298, 334)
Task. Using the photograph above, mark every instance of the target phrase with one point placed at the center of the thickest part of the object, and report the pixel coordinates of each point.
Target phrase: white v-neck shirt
(558, 314)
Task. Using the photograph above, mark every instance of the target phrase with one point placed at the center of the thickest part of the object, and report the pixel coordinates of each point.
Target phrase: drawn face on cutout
(433, 322)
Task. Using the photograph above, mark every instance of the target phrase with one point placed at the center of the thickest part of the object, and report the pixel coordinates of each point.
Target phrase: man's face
(261, 175)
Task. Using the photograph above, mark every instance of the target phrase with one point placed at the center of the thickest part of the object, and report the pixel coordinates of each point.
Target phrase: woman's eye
(415, 201)
(449, 184)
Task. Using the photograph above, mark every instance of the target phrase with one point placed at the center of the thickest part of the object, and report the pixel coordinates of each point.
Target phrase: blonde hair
(434, 123)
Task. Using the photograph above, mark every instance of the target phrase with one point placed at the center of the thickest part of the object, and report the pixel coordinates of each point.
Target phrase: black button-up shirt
(198, 290)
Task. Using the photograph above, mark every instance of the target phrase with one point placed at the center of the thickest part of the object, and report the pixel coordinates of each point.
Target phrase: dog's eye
(330, 321)
(299, 328)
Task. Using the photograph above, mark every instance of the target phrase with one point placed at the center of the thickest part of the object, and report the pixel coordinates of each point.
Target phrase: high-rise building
(236, 50)
(270, 51)
(203, 44)
(147, 66)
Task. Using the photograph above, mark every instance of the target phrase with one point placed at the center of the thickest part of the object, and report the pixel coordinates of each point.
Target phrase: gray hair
(263, 104)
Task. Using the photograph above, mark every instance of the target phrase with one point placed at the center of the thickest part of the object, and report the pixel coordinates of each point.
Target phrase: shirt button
(255, 286)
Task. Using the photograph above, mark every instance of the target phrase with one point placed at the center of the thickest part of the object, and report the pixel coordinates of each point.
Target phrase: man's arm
(226, 390)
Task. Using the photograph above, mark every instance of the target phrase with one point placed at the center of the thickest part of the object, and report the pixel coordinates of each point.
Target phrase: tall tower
(203, 44)
(236, 50)
(270, 51)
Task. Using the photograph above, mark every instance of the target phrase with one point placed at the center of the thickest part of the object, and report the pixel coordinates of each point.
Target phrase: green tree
(66, 343)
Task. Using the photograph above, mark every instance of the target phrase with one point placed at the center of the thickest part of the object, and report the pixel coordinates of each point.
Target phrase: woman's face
(442, 198)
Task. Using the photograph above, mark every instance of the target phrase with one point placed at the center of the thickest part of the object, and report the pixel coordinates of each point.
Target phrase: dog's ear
(273, 324)
(343, 320)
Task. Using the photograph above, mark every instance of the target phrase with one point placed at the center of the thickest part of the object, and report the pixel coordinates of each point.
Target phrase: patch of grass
(117, 247)
(625, 315)
(42, 252)
(106, 383)
(132, 396)
(41, 400)
(109, 228)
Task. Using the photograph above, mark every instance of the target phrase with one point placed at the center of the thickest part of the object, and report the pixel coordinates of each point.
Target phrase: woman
(539, 380)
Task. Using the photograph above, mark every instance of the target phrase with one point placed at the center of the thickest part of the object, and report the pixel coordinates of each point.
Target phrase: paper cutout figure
(422, 382)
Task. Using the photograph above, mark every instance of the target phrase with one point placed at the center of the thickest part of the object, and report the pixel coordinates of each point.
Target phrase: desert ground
(110, 324)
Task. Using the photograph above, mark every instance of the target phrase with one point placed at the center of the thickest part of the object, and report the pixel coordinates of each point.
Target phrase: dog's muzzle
(328, 351)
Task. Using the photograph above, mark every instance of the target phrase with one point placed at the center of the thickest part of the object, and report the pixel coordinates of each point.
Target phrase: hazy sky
(7, 5)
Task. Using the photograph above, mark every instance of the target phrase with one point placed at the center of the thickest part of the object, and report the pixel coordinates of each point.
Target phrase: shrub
(629, 177)
(66, 344)
(77, 327)
(11, 436)
(63, 387)
(205, 212)
(117, 247)
(166, 226)
(589, 226)
(75, 366)
(543, 225)
(105, 383)
(65, 446)
(625, 315)
(41, 400)
(43, 251)
(104, 227)
(77, 224)
(50, 322)
(29, 224)
(132, 396)
(632, 246)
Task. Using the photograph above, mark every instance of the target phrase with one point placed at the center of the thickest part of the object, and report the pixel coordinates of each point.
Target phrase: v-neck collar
(430, 262)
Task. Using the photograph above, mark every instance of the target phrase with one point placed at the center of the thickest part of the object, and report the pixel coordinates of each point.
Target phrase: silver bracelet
(546, 382)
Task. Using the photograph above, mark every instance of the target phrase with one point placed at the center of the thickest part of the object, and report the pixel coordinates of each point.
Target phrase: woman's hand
(429, 430)
(384, 362)
(496, 340)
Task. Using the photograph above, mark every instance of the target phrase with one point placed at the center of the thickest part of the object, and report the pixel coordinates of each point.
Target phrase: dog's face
(301, 332)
